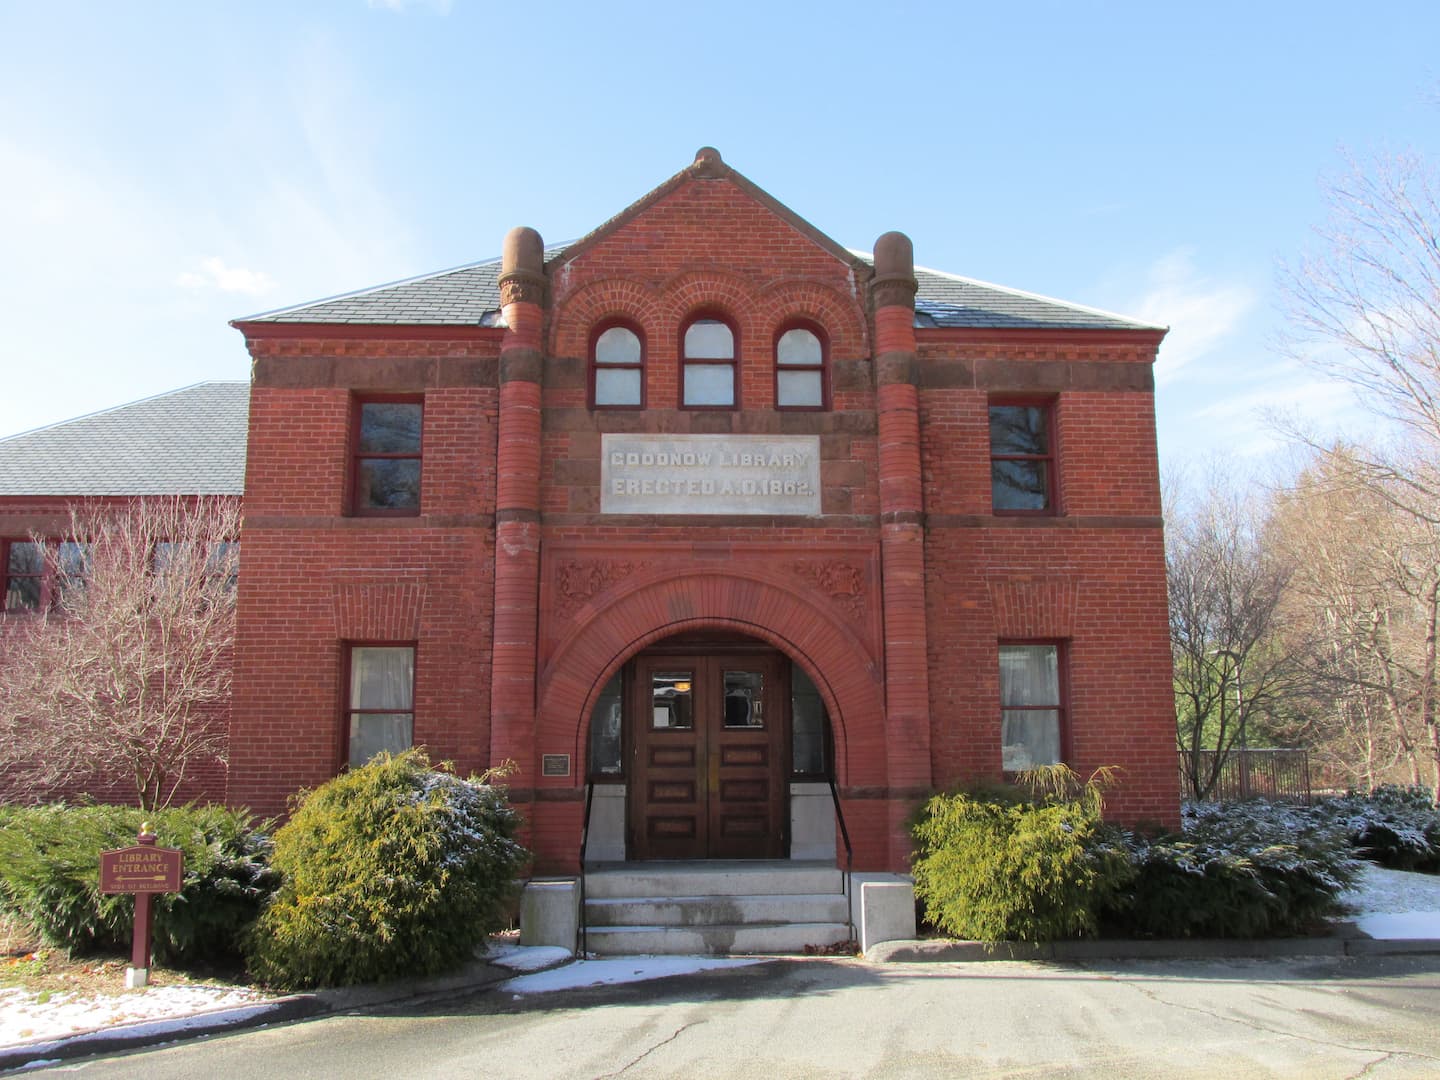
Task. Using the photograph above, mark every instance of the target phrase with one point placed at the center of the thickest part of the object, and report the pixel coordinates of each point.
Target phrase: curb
(477, 975)
(967, 952)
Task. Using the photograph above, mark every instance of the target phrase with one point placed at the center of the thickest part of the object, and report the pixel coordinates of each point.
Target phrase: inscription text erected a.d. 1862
(710, 474)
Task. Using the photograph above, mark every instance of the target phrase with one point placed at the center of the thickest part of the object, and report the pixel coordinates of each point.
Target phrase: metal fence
(1282, 775)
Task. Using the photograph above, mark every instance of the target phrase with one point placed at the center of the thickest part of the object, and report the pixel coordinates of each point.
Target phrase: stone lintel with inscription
(710, 474)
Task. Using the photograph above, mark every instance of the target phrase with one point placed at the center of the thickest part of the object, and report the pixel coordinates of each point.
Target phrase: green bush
(1243, 870)
(1394, 826)
(50, 876)
(997, 868)
(390, 870)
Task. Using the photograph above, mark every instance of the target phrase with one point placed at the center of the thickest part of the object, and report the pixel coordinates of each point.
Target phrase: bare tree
(1369, 297)
(1366, 310)
(1225, 593)
(1366, 587)
(119, 676)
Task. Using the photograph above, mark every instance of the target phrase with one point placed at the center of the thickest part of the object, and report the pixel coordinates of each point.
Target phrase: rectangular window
(24, 568)
(222, 564)
(606, 725)
(380, 704)
(385, 457)
(1022, 460)
(34, 574)
(1032, 710)
(808, 727)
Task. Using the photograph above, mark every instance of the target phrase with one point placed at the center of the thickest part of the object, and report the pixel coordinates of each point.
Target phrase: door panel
(668, 788)
(708, 738)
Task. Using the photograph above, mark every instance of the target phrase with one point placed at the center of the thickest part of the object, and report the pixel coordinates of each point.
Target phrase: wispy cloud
(214, 274)
(1318, 400)
(1200, 312)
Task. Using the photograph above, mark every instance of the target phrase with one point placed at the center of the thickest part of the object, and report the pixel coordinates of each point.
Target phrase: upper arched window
(800, 369)
(707, 365)
(617, 368)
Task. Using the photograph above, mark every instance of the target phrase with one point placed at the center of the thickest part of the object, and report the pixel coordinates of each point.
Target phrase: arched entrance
(709, 732)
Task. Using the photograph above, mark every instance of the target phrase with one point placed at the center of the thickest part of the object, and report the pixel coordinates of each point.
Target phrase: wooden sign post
(143, 870)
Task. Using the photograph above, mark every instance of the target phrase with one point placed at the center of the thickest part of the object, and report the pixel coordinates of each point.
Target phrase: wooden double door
(708, 775)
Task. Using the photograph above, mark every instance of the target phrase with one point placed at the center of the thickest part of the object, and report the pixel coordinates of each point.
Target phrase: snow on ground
(618, 969)
(1396, 904)
(1401, 925)
(526, 957)
(24, 1017)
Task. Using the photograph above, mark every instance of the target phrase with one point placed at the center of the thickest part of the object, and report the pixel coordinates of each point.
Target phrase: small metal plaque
(710, 474)
(554, 764)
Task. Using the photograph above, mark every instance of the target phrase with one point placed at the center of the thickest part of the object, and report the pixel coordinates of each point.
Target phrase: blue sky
(166, 167)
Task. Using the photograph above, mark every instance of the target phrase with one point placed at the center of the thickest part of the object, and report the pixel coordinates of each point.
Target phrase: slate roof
(187, 442)
(470, 296)
(949, 300)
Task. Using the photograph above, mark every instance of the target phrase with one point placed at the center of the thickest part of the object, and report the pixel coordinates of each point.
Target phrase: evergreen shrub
(1243, 870)
(393, 869)
(996, 866)
(1397, 827)
(50, 877)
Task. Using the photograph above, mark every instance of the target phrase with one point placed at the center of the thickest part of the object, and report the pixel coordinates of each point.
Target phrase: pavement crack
(1268, 1030)
(636, 1060)
(1371, 1066)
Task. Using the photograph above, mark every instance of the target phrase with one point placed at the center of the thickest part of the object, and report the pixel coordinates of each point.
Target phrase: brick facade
(522, 599)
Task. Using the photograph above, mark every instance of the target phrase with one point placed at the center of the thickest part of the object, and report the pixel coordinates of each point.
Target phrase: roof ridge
(125, 405)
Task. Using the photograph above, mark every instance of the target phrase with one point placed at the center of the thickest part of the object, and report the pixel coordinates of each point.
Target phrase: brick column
(902, 535)
(517, 507)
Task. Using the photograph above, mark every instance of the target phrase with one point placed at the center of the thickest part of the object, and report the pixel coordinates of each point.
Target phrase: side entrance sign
(143, 870)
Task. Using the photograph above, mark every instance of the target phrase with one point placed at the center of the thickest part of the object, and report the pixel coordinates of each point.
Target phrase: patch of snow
(1401, 925)
(617, 969)
(23, 1017)
(1396, 904)
(1380, 890)
(526, 957)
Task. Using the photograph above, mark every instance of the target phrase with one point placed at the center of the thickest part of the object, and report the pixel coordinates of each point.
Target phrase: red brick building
(707, 511)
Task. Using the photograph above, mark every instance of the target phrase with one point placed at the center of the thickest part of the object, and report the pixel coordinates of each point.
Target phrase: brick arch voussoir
(842, 318)
(832, 655)
(609, 298)
(695, 289)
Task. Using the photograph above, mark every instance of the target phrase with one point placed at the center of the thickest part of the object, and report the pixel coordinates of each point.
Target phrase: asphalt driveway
(1310, 1017)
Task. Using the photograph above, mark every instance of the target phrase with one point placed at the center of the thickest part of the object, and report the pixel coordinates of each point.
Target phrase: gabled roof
(706, 166)
(186, 442)
(949, 300)
(461, 296)
(470, 295)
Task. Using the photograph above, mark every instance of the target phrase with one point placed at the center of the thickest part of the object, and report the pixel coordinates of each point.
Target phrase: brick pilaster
(517, 506)
(902, 532)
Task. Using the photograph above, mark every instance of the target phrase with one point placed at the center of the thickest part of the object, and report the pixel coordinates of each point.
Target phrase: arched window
(707, 365)
(617, 368)
(799, 369)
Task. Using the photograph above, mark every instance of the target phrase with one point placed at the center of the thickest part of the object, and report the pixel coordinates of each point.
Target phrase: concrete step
(751, 939)
(713, 878)
(802, 908)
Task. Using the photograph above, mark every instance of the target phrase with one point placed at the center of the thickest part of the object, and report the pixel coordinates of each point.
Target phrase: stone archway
(806, 628)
